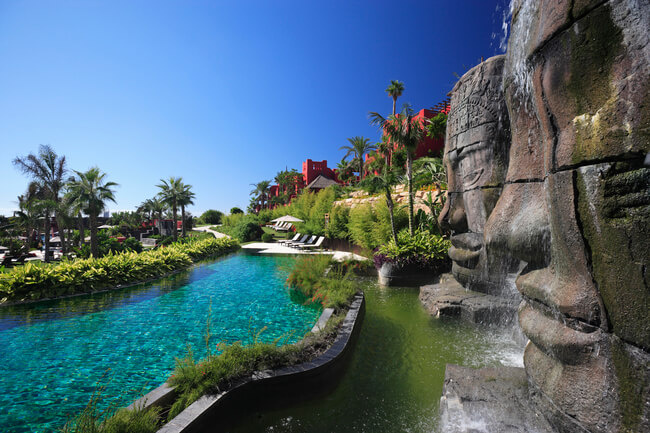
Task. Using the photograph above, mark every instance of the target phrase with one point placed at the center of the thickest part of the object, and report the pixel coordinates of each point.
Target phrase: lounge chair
(301, 241)
(315, 245)
(310, 241)
(284, 228)
(294, 239)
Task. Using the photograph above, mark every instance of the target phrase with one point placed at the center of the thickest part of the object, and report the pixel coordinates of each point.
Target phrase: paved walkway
(276, 248)
(207, 229)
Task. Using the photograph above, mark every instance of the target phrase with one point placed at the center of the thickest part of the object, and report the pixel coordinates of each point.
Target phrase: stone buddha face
(575, 208)
(475, 155)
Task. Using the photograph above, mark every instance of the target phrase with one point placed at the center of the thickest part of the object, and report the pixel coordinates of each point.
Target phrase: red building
(428, 146)
(311, 170)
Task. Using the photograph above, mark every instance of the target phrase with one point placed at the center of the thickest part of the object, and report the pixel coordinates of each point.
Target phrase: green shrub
(247, 231)
(361, 223)
(423, 250)
(267, 237)
(338, 225)
(211, 216)
(39, 280)
(334, 288)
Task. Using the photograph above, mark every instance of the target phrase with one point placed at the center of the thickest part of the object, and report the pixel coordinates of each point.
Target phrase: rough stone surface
(449, 299)
(476, 157)
(488, 400)
(575, 207)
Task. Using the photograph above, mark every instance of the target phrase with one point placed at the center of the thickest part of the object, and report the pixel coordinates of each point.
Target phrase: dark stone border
(286, 385)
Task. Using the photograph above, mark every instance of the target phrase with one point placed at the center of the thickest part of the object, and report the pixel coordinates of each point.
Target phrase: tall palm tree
(395, 90)
(92, 194)
(170, 192)
(261, 191)
(30, 210)
(358, 147)
(404, 131)
(186, 198)
(48, 169)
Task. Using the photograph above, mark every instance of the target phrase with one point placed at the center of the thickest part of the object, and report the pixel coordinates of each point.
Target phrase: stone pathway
(207, 229)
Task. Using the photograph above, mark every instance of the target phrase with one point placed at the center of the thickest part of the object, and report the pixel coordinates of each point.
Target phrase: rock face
(476, 158)
(575, 208)
(449, 299)
(488, 400)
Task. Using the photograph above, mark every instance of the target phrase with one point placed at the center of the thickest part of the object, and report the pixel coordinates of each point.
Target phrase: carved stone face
(476, 158)
(576, 208)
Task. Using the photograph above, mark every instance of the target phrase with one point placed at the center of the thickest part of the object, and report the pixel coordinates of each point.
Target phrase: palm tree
(359, 146)
(404, 131)
(91, 193)
(31, 208)
(48, 169)
(395, 90)
(261, 191)
(170, 193)
(186, 198)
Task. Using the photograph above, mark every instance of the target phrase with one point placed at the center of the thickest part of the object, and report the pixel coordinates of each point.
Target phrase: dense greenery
(210, 216)
(244, 228)
(323, 280)
(423, 250)
(37, 281)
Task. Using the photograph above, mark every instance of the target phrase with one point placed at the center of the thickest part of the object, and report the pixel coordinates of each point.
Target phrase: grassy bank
(36, 281)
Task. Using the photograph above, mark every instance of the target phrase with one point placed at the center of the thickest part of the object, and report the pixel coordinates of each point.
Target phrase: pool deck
(276, 248)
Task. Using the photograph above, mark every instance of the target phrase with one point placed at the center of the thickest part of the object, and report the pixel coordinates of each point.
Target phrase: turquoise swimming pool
(53, 354)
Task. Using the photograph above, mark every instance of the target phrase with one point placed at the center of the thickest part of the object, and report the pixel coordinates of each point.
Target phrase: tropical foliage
(423, 250)
(91, 193)
(37, 281)
(358, 148)
(47, 171)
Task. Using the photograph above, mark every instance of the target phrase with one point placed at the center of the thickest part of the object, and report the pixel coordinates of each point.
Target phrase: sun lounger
(301, 241)
(310, 241)
(284, 228)
(315, 245)
(294, 239)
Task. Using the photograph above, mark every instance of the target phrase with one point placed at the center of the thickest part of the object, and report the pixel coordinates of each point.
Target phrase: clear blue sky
(222, 93)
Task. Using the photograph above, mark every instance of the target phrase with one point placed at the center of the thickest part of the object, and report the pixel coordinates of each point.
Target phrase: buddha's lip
(463, 257)
(467, 241)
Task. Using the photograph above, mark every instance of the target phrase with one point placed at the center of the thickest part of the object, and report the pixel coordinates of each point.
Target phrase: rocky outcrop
(476, 158)
(488, 400)
(400, 197)
(575, 208)
(448, 299)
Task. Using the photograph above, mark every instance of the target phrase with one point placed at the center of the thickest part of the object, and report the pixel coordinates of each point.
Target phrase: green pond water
(394, 380)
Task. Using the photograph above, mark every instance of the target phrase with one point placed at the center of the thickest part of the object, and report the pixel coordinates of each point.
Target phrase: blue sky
(224, 94)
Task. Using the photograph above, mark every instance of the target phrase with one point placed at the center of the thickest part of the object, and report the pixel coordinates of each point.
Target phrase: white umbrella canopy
(289, 218)
(105, 226)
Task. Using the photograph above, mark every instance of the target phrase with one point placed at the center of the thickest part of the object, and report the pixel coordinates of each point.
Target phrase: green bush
(132, 244)
(423, 250)
(247, 231)
(211, 216)
(335, 289)
(338, 224)
(267, 237)
(39, 280)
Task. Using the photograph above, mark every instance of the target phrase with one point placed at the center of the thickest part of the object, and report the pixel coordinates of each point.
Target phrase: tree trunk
(82, 233)
(409, 177)
(59, 221)
(47, 236)
(174, 212)
(183, 219)
(389, 204)
(94, 248)
(394, 103)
